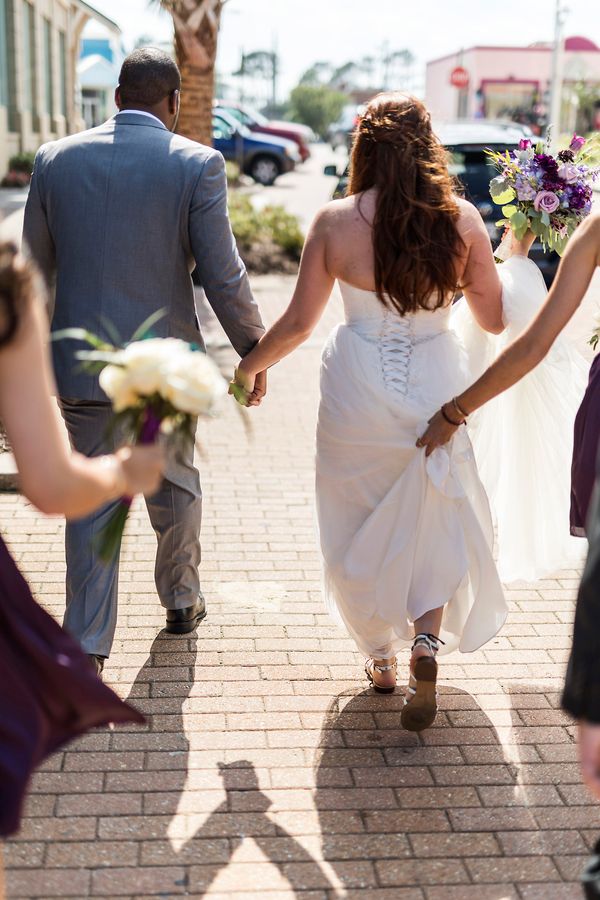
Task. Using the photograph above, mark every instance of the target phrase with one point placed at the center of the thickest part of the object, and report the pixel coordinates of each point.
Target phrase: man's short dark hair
(148, 76)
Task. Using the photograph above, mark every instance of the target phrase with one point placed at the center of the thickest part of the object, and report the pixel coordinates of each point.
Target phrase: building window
(62, 71)
(48, 68)
(28, 58)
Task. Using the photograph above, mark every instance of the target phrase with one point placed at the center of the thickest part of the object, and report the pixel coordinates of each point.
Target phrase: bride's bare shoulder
(470, 223)
(347, 211)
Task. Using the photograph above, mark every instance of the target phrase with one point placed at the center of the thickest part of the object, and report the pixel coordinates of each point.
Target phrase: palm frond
(144, 329)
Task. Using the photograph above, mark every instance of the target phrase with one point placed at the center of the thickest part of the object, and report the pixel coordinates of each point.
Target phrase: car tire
(264, 169)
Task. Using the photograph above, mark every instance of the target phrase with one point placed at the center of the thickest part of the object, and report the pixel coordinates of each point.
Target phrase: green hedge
(271, 225)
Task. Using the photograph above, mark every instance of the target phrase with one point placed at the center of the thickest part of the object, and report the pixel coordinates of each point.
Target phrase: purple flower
(546, 201)
(568, 172)
(578, 196)
(524, 144)
(547, 163)
(577, 143)
(525, 191)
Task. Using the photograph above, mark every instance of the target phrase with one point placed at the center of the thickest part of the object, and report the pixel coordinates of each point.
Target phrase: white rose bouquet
(156, 385)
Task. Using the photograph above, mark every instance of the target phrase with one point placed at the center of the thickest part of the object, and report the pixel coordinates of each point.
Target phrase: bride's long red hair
(416, 241)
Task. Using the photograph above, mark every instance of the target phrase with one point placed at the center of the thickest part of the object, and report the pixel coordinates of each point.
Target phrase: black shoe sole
(185, 627)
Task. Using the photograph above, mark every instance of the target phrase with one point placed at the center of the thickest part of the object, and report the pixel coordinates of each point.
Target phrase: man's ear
(118, 97)
(174, 103)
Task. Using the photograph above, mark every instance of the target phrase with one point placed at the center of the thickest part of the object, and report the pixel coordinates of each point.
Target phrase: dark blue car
(263, 158)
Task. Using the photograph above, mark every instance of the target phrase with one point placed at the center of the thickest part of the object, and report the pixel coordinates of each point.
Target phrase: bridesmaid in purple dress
(585, 452)
(49, 692)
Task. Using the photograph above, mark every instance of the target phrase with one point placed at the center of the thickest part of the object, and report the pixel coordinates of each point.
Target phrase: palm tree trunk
(196, 25)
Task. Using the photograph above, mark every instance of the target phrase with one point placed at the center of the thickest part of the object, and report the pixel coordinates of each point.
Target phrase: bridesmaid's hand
(438, 433)
(589, 753)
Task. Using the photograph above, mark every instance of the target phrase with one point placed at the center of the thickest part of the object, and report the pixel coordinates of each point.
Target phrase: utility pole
(556, 83)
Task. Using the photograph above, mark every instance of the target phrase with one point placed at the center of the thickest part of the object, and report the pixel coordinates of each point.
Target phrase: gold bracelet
(459, 408)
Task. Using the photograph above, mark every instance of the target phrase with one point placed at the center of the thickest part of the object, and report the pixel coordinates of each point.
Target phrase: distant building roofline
(573, 44)
(99, 17)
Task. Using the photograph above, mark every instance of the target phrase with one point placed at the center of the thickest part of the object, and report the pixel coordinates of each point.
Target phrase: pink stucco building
(514, 83)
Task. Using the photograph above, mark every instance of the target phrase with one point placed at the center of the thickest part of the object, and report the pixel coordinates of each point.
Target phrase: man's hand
(260, 389)
(589, 754)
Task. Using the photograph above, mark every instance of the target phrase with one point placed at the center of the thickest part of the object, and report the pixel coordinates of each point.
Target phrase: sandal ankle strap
(431, 641)
(378, 668)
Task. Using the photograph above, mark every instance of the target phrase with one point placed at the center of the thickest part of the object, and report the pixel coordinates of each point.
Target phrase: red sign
(459, 77)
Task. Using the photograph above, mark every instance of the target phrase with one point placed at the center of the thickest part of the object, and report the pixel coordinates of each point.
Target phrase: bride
(406, 538)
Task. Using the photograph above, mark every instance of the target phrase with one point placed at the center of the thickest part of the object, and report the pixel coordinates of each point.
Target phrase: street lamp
(557, 73)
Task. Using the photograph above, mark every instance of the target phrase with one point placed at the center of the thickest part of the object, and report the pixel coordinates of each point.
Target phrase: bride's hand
(522, 247)
(438, 433)
(242, 385)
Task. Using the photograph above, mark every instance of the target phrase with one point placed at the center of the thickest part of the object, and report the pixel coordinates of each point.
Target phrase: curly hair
(17, 285)
(416, 241)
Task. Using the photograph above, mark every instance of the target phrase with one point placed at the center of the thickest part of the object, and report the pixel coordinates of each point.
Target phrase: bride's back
(402, 232)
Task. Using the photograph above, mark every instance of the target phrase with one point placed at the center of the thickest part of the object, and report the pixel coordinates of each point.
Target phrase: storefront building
(514, 83)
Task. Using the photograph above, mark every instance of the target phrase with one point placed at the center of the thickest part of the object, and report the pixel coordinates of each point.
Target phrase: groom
(117, 217)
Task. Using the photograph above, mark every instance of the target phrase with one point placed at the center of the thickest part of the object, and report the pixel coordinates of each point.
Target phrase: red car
(255, 121)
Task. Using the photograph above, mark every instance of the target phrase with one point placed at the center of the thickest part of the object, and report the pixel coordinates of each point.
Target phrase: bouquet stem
(112, 534)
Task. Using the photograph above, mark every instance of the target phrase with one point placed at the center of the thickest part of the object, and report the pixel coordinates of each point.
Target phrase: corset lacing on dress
(396, 341)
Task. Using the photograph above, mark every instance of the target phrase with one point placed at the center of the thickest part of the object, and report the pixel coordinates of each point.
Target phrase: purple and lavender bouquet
(548, 194)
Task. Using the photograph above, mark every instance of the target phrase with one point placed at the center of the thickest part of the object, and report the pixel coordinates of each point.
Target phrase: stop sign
(459, 77)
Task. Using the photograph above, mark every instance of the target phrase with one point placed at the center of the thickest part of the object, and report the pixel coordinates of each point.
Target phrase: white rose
(193, 383)
(114, 381)
(145, 361)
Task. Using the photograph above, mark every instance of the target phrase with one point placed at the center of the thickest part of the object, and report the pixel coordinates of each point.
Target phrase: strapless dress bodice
(395, 337)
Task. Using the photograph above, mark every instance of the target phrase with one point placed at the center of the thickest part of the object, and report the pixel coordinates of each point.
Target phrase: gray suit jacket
(118, 216)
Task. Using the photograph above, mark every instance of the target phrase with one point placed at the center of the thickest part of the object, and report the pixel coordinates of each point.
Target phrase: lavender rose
(546, 201)
(568, 172)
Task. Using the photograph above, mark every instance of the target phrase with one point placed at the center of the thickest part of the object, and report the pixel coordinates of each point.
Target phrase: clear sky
(338, 30)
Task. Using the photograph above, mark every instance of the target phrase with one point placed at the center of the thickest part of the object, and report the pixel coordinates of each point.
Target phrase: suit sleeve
(37, 238)
(581, 695)
(222, 273)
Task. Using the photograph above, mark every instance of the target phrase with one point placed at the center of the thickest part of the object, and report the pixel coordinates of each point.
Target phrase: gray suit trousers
(175, 513)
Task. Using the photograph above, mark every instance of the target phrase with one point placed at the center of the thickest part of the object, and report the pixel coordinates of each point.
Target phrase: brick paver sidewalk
(267, 768)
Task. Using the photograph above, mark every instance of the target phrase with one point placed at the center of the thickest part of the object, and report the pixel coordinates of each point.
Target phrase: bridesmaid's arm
(572, 281)
(310, 297)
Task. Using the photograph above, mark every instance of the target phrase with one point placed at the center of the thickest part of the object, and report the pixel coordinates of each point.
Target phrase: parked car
(340, 133)
(259, 124)
(466, 143)
(263, 158)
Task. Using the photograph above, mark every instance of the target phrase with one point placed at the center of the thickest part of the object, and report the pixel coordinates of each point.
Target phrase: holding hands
(248, 388)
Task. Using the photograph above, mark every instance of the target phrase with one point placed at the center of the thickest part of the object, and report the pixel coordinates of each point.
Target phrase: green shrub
(22, 162)
(284, 229)
(232, 171)
(271, 225)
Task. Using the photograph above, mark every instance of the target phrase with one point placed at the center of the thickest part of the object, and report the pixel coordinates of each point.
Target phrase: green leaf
(81, 334)
(510, 210)
(144, 329)
(501, 222)
(519, 224)
(545, 219)
(239, 393)
(505, 197)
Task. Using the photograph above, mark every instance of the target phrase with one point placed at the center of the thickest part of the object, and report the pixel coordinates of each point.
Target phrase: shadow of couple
(393, 809)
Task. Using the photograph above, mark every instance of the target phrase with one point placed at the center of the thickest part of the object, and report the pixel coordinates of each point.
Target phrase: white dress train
(523, 440)
(400, 534)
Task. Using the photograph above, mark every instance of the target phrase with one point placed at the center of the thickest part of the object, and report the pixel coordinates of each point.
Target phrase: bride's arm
(480, 282)
(572, 281)
(310, 297)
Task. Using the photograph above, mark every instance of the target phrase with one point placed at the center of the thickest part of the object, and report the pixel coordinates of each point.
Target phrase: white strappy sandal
(420, 700)
(371, 667)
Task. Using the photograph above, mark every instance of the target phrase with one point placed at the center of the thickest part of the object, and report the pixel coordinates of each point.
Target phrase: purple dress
(585, 451)
(48, 691)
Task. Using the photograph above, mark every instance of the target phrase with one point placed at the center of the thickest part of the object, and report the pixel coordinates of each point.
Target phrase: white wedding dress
(523, 439)
(401, 534)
